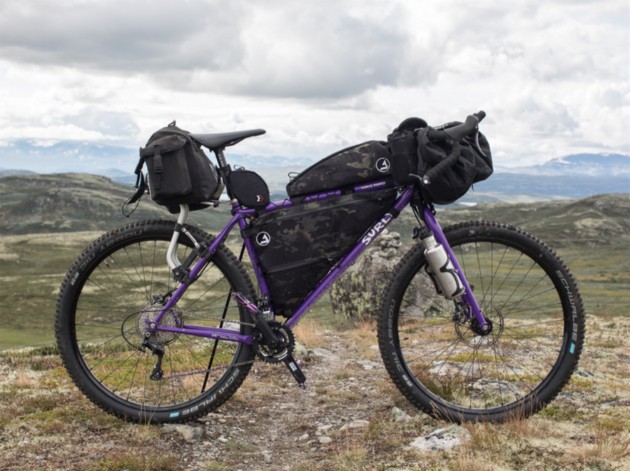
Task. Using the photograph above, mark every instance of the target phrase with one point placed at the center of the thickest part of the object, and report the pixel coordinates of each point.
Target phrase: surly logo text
(377, 229)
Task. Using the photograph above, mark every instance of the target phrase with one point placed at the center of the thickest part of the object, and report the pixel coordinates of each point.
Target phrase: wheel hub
(138, 323)
(471, 333)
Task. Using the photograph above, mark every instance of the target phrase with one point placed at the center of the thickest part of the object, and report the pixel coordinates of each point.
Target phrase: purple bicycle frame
(239, 217)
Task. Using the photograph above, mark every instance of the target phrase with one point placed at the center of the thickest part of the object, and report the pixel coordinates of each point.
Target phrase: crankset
(280, 351)
(283, 347)
(273, 342)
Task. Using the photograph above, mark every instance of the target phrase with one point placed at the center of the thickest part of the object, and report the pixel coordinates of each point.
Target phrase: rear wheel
(447, 367)
(118, 284)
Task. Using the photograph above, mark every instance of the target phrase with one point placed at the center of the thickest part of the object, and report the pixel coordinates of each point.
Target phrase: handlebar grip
(470, 126)
(480, 115)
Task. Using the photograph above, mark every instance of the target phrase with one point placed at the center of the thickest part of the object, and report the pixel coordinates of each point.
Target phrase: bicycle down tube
(239, 218)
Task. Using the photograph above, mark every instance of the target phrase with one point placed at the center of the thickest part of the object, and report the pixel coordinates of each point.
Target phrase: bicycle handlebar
(470, 126)
(452, 136)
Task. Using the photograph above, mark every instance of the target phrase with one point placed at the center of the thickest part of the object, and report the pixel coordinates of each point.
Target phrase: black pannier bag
(354, 165)
(415, 152)
(298, 245)
(248, 188)
(179, 172)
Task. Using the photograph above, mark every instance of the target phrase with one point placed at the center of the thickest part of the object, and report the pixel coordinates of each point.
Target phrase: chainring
(280, 352)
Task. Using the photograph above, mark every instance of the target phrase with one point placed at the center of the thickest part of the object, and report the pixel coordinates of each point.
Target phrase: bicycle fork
(449, 277)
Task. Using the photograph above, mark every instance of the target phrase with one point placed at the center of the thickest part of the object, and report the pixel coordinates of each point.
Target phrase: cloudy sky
(553, 75)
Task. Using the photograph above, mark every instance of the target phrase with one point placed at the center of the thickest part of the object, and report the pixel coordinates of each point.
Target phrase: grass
(585, 427)
(44, 418)
(33, 266)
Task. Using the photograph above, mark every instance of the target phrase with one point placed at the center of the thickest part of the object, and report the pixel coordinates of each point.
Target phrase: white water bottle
(441, 269)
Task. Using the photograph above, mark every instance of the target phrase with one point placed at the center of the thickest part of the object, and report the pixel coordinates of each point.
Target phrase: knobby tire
(438, 361)
(105, 300)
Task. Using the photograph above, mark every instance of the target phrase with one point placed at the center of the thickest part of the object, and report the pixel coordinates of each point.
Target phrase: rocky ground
(349, 418)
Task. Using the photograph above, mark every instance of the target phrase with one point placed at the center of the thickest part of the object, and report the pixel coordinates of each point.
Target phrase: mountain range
(83, 202)
(602, 165)
(571, 176)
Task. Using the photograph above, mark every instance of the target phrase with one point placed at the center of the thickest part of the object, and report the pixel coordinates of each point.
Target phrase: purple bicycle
(158, 321)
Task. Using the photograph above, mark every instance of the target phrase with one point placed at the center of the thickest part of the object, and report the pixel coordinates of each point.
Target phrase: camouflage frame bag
(351, 166)
(298, 245)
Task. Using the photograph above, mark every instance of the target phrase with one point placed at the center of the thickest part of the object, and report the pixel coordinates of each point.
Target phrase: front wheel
(450, 370)
(119, 284)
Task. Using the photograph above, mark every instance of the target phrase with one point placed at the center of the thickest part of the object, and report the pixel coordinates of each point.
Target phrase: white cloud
(553, 75)
(137, 37)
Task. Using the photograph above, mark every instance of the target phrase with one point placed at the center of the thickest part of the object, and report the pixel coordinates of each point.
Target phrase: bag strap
(141, 188)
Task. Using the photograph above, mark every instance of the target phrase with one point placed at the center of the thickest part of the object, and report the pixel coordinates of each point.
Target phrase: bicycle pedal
(296, 371)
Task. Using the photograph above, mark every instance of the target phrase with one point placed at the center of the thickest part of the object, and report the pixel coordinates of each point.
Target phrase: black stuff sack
(354, 165)
(178, 170)
(415, 151)
(297, 246)
(472, 166)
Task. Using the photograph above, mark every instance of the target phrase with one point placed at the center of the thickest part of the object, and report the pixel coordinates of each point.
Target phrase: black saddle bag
(178, 171)
(297, 246)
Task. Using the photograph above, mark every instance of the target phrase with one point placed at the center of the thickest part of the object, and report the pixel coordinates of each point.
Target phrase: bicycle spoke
(122, 285)
(452, 368)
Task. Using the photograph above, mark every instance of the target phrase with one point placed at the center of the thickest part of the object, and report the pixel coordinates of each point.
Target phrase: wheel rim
(108, 339)
(470, 372)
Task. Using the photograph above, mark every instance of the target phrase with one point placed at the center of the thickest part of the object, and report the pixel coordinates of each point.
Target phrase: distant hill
(569, 177)
(13, 173)
(596, 220)
(515, 188)
(604, 165)
(77, 202)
